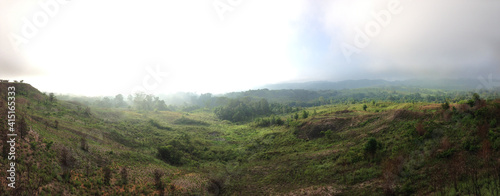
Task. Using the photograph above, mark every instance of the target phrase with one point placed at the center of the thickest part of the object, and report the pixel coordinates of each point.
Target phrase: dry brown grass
(390, 171)
(445, 143)
(486, 150)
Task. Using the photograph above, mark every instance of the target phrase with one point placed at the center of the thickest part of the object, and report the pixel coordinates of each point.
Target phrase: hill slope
(67, 148)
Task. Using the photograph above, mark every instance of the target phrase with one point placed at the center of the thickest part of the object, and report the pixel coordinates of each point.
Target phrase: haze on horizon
(109, 47)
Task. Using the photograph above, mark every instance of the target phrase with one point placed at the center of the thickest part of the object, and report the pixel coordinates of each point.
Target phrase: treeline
(240, 106)
(242, 109)
(246, 108)
(147, 102)
(138, 101)
(308, 98)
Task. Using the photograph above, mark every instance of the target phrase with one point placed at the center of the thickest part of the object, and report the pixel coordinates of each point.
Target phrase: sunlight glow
(111, 44)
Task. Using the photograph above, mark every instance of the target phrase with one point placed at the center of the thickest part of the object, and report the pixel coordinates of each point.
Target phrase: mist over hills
(446, 84)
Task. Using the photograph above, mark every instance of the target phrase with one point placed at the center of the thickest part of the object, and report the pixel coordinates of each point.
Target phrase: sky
(163, 46)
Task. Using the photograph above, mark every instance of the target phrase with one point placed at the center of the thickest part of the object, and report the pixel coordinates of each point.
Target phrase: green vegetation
(396, 142)
(169, 154)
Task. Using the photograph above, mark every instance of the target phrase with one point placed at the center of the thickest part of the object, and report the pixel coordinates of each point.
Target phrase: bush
(157, 174)
(305, 114)
(328, 133)
(470, 103)
(371, 146)
(158, 125)
(186, 121)
(470, 145)
(48, 144)
(84, 145)
(445, 106)
(266, 122)
(169, 154)
(493, 123)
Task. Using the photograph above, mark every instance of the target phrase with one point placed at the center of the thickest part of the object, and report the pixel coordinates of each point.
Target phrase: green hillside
(373, 146)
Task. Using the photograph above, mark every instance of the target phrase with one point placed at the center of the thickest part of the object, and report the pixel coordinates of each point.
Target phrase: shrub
(371, 146)
(48, 144)
(158, 125)
(157, 174)
(470, 103)
(169, 154)
(328, 133)
(305, 114)
(186, 121)
(493, 123)
(84, 145)
(470, 145)
(445, 106)
(266, 122)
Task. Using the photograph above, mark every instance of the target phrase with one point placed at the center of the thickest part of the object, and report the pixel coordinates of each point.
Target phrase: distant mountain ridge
(446, 84)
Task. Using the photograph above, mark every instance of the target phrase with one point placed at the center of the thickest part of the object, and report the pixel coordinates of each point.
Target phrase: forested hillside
(443, 84)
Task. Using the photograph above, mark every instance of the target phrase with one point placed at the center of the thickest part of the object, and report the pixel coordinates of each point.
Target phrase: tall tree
(263, 107)
(119, 102)
(52, 97)
(305, 114)
(157, 174)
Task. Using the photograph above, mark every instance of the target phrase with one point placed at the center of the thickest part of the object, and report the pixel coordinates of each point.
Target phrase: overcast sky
(107, 47)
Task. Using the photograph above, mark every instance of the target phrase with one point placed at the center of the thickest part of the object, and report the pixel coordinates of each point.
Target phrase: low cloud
(446, 38)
